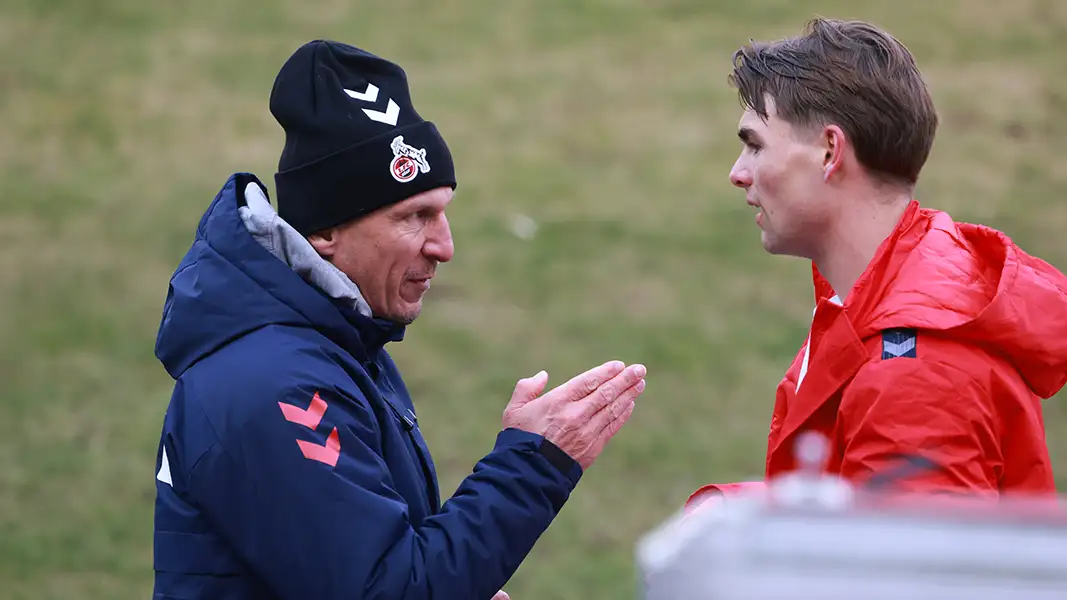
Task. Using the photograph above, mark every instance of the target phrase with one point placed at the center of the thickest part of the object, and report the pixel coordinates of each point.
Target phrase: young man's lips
(759, 213)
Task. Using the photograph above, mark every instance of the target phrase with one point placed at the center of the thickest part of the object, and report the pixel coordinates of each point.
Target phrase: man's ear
(834, 146)
(324, 242)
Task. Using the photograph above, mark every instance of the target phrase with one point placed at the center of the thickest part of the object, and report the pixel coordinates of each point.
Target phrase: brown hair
(854, 75)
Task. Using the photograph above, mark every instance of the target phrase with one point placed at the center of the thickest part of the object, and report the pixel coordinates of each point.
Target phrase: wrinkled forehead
(436, 198)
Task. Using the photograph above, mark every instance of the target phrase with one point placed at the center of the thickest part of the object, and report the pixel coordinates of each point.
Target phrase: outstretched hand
(581, 415)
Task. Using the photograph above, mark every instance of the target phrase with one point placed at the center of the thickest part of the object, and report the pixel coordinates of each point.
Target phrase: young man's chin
(768, 243)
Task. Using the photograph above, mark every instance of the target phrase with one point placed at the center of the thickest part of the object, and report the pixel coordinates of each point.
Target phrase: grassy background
(608, 122)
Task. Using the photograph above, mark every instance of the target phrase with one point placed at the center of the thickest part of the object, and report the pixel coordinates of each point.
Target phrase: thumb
(528, 389)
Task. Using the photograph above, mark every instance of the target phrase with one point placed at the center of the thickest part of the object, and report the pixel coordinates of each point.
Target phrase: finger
(609, 430)
(580, 386)
(620, 408)
(610, 390)
(501, 595)
(614, 425)
(528, 388)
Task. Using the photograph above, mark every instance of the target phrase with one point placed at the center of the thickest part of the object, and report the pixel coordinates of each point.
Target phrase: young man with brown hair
(931, 339)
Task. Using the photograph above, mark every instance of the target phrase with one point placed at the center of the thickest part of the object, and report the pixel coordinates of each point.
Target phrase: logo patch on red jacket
(310, 417)
(899, 343)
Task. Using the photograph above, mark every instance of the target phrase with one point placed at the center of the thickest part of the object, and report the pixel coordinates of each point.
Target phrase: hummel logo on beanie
(353, 141)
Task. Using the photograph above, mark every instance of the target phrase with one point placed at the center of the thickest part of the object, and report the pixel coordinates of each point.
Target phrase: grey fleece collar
(277, 236)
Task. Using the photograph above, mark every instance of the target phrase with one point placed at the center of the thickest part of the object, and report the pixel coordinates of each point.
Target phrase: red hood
(972, 282)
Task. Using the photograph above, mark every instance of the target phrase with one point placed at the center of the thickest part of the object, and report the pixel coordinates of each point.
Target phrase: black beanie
(353, 141)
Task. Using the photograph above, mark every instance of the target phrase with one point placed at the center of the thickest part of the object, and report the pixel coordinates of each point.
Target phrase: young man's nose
(740, 176)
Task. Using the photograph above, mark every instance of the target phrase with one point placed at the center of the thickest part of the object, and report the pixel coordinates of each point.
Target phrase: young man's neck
(856, 236)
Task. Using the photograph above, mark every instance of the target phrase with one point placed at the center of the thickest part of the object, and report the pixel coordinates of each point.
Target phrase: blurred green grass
(608, 122)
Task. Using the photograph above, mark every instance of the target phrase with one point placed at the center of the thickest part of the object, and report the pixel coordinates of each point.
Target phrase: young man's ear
(324, 242)
(834, 141)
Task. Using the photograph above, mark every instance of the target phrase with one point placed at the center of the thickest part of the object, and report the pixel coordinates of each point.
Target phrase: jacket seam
(214, 433)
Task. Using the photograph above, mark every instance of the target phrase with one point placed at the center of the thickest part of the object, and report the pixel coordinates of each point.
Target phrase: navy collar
(374, 332)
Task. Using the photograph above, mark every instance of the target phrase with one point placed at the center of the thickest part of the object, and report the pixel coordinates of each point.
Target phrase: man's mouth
(759, 212)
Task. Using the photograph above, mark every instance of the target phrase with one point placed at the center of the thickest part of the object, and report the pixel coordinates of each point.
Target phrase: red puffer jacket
(943, 351)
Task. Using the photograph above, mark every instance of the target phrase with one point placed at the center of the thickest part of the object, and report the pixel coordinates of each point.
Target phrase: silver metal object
(811, 535)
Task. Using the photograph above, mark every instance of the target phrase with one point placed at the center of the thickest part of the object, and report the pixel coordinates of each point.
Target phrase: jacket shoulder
(271, 357)
(248, 387)
(944, 369)
(929, 347)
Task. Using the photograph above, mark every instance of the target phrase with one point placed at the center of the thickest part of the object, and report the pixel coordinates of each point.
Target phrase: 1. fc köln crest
(407, 161)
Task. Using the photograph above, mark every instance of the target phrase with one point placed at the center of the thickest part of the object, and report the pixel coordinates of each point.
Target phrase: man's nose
(438, 246)
(740, 175)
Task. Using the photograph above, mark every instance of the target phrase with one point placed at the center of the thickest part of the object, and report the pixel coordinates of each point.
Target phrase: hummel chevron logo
(899, 343)
(310, 418)
(392, 111)
(371, 95)
(896, 350)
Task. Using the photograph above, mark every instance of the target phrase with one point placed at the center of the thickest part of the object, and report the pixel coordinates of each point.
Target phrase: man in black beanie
(354, 144)
(353, 141)
(291, 464)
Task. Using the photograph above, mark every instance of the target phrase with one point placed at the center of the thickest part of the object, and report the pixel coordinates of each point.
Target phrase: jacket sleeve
(712, 494)
(920, 425)
(312, 529)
